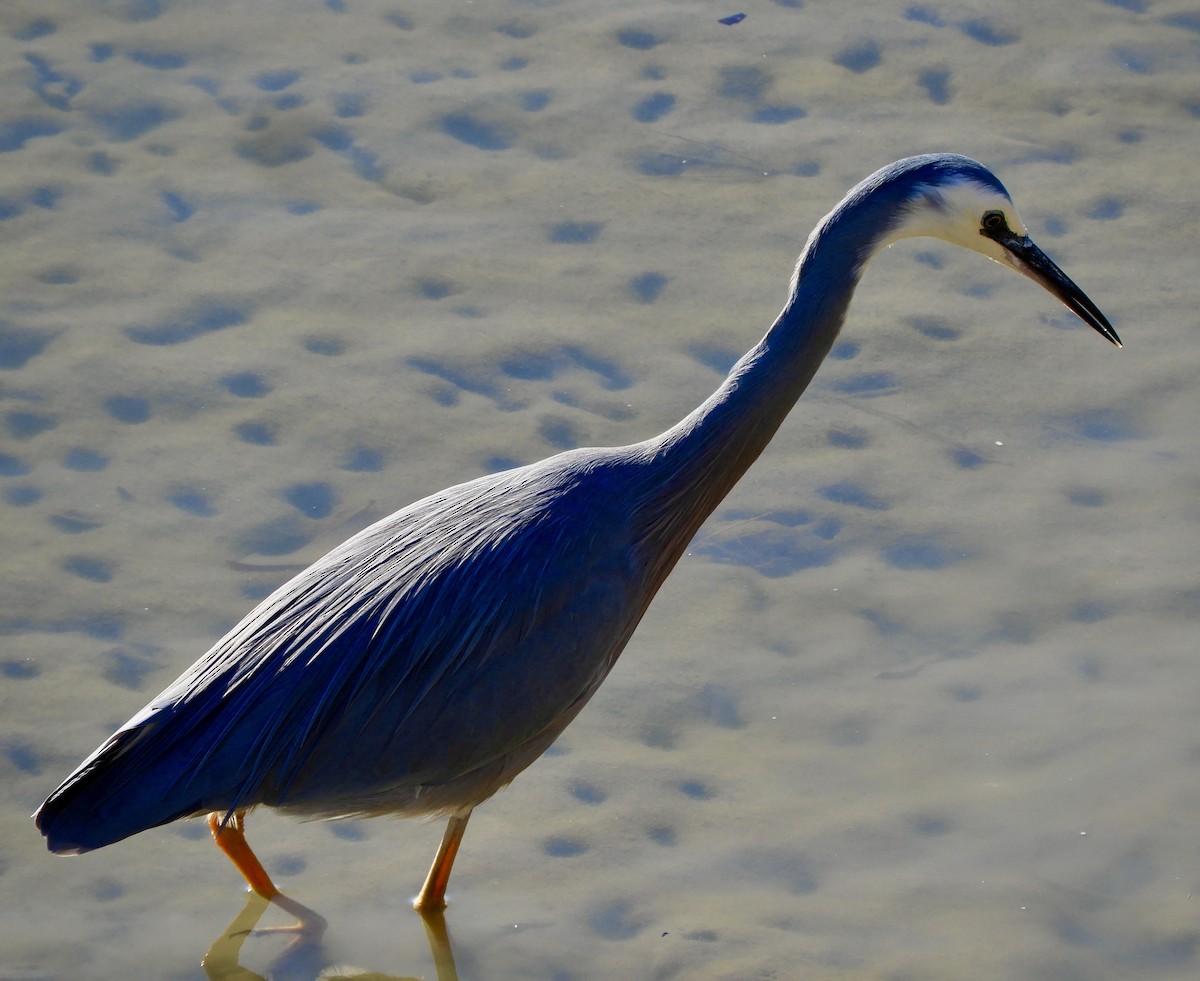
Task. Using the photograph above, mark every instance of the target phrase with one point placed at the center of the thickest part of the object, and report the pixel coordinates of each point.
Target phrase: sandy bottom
(921, 701)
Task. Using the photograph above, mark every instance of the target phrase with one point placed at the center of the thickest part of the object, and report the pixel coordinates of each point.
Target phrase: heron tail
(111, 795)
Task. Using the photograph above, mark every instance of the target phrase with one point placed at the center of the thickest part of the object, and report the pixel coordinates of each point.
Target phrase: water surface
(920, 701)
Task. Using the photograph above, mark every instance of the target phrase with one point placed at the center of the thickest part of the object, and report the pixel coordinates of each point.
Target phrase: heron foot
(309, 926)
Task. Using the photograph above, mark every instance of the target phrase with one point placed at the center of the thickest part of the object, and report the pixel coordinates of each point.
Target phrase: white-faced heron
(424, 663)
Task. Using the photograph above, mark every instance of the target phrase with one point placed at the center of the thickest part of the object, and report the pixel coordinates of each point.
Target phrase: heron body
(421, 665)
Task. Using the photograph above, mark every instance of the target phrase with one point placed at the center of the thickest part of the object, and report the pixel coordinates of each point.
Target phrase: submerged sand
(919, 703)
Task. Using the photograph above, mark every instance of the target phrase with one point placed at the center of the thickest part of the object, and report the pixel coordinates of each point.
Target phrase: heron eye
(993, 221)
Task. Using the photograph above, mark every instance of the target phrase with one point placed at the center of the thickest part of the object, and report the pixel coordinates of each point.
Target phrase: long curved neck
(697, 461)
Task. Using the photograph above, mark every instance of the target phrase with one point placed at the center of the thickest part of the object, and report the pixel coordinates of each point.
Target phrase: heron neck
(701, 458)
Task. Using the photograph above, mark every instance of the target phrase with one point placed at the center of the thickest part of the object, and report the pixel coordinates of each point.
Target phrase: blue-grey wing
(439, 640)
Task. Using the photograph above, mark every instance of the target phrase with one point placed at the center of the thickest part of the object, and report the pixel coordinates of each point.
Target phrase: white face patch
(953, 212)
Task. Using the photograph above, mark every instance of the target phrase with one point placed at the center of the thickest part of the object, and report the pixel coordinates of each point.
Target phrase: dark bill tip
(1039, 267)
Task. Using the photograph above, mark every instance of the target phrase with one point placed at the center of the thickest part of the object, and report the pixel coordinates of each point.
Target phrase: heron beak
(1027, 259)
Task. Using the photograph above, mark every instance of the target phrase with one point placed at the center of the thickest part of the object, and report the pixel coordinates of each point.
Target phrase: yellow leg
(432, 898)
(439, 945)
(231, 839)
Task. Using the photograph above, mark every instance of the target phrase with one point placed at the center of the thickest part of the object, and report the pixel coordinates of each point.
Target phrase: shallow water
(920, 701)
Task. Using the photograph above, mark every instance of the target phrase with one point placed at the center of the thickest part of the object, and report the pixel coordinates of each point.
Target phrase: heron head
(957, 210)
(962, 202)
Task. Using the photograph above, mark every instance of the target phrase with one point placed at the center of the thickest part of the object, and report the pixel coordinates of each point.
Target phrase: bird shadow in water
(303, 957)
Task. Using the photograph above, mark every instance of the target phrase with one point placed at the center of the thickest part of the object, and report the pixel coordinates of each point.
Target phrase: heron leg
(432, 898)
(230, 837)
(439, 945)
